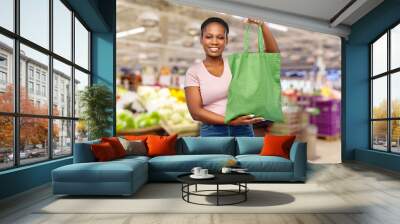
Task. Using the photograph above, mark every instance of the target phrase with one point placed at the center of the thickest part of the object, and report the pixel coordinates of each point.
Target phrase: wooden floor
(379, 190)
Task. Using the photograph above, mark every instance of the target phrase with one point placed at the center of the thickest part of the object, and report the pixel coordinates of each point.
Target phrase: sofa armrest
(298, 155)
(83, 152)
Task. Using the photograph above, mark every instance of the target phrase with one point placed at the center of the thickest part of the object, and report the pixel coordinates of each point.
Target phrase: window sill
(26, 167)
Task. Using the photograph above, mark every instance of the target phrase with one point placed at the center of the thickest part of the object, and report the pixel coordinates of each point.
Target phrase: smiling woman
(207, 82)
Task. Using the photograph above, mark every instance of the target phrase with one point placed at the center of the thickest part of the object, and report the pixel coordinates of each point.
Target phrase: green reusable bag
(255, 87)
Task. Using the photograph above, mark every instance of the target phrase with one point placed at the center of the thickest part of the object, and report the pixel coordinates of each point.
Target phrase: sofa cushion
(249, 145)
(185, 163)
(275, 145)
(257, 163)
(136, 137)
(206, 145)
(134, 147)
(116, 145)
(161, 145)
(112, 171)
(103, 152)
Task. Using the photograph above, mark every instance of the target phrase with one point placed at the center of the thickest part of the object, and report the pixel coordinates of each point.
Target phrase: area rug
(167, 198)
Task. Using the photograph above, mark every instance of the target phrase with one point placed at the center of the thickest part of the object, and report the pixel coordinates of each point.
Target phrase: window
(3, 61)
(3, 78)
(62, 137)
(37, 74)
(62, 74)
(33, 148)
(385, 97)
(62, 29)
(44, 91)
(81, 45)
(6, 142)
(30, 72)
(45, 131)
(3, 72)
(43, 77)
(38, 89)
(30, 87)
(34, 21)
(81, 81)
(7, 14)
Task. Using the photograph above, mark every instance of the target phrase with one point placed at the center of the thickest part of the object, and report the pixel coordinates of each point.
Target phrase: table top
(220, 178)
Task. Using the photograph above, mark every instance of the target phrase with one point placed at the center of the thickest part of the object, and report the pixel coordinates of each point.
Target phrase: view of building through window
(385, 79)
(32, 112)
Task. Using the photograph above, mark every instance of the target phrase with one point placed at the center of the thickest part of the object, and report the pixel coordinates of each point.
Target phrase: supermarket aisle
(328, 152)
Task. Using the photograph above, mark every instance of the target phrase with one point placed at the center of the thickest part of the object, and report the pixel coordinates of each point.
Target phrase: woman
(207, 82)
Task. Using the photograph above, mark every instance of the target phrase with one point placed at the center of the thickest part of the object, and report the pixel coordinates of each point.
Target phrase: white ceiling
(313, 15)
(169, 43)
(319, 9)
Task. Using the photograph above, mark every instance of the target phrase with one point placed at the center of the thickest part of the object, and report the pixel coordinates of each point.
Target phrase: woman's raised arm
(271, 46)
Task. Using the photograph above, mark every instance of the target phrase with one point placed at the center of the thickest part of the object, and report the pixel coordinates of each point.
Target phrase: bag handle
(246, 39)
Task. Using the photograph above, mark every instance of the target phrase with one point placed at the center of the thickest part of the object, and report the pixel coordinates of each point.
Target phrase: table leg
(217, 194)
(196, 188)
(245, 193)
(182, 189)
(188, 189)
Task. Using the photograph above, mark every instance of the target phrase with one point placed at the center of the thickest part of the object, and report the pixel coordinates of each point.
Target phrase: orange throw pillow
(116, 145)
(103, 152)
(277, 145)
(136, 137)
(161, 145)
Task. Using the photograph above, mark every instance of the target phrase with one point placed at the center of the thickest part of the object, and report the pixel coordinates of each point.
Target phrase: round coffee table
(238, 179)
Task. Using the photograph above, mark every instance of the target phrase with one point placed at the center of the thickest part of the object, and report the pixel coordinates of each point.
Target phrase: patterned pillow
(135, 147)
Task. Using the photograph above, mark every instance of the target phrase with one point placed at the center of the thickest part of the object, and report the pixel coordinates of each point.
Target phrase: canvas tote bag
(255, 87)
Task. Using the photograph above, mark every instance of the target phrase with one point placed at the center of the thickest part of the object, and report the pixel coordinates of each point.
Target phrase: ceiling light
(238, 17)
(131, 32)
(278, 27)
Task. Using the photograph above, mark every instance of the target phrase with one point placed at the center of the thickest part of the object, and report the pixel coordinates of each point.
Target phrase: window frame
(16, 114)
(388, 74)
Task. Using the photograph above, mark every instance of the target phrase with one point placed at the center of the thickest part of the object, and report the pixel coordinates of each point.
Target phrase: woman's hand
(245, 120)
(269, 41)
(258, 22)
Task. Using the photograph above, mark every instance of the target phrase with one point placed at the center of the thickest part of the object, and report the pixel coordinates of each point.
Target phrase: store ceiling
(325, 16)
(166, 33)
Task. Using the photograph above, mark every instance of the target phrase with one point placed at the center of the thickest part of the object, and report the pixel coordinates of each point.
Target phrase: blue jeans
(211, 130)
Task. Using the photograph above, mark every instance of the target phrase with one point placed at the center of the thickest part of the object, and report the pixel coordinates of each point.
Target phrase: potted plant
(96, 103)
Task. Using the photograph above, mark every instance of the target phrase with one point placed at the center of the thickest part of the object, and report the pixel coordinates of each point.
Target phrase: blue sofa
(125, 176)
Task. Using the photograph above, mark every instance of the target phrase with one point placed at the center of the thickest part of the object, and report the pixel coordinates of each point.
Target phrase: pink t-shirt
(213, 89)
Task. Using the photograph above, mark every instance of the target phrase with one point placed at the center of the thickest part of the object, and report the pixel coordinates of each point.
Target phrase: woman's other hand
(245, 120)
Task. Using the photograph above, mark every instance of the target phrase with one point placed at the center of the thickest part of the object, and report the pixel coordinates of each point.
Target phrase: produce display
(153, 106)
(126, 120)
(171, 106)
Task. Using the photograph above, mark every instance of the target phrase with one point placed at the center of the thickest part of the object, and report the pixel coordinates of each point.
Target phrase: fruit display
(126, 120)
(129, 100)
(170, 105)
(179, 94)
